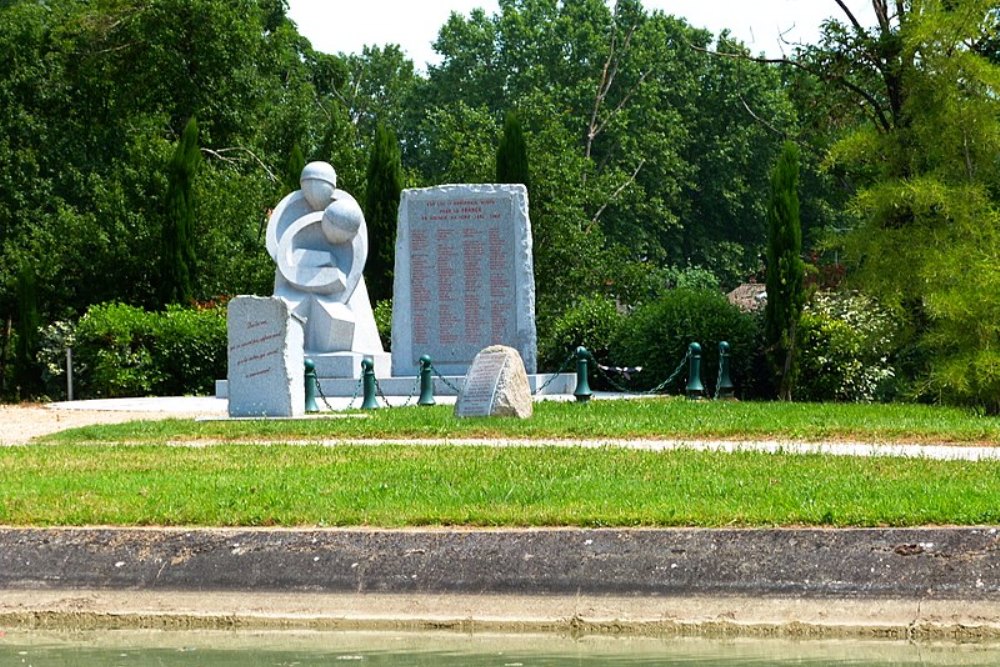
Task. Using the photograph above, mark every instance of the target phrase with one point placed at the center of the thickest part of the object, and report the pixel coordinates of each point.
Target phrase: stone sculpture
(318, 238)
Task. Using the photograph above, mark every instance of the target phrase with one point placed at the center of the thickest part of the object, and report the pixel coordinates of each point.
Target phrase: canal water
(387, 649)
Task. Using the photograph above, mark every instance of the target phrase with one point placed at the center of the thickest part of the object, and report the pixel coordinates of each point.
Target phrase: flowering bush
(846, 345)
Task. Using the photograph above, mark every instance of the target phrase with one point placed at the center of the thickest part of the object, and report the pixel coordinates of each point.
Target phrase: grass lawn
(88, 477)
(640, 418)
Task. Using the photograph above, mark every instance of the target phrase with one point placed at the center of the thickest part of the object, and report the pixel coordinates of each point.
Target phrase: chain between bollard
(322, 395)
(409, 398)
(566, 365)
(357, 390)
(655, 390)
(437, 373)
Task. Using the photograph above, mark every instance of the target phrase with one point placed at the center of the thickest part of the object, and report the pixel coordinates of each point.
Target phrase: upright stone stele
(318, 239)
(463, 277)
(266, 366)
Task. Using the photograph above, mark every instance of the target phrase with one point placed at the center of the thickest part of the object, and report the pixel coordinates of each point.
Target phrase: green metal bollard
(312, 382)
(695, 389)
(725, 390)
(582, 392)
(426, 382)
(368, 383)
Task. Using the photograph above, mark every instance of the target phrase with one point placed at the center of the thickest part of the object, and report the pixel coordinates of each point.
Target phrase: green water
(305, 649)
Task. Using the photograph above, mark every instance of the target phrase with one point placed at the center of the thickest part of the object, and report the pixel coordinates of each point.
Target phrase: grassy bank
(250, 485)
(86, 477)
(647, 418)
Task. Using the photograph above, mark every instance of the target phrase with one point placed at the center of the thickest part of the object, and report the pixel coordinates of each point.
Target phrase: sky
(347, 25)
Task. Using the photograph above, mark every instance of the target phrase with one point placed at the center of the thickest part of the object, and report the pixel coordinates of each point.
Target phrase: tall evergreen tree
(178, 254)
(293, 170)
(785, 269)
(512, 153)
(385, 183)
(26, 371)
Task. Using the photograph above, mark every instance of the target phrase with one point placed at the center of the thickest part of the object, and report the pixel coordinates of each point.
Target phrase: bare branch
(220, 154)
(880, 117)
(760, 120)
(616, 194)
(850, 16)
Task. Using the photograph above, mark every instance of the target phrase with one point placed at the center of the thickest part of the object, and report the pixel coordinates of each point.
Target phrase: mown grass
(124, 475)
(646, 418)
(390, 485)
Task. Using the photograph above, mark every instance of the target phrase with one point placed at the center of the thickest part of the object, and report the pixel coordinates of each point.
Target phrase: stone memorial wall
(463, 276)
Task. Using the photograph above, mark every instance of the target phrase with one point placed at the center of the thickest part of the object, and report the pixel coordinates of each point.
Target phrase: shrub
(383, 322)
(657, 336)
(189, 349)
(846, 342)
(122, 350)
(592, 322)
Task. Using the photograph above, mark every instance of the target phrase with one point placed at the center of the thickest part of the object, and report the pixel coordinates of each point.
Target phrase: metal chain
(566, 365)
(655, 390)
(409, 398)
(378, 390)
(322, 395)
(357, 390)
(445, 380)
(718, 380)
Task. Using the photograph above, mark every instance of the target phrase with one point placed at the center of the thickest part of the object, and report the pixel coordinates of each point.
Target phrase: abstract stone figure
(318, 238)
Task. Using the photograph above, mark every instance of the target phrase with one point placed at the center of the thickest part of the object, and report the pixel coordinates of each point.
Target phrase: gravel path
(20, 423)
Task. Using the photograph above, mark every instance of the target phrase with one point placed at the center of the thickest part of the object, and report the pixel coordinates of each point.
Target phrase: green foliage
(26, 372)
(177, 270)
(785, 270)
(512, 153)
(592, 322)
(383, 322)
(384, 185)
(847, 346)
(656, 336)
(293, 169)
(121, 351)
(928, 231)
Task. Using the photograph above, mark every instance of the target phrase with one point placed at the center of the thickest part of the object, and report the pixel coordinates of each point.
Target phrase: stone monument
(318, 239)
(496, 386)
(463, 277)
(266, 366)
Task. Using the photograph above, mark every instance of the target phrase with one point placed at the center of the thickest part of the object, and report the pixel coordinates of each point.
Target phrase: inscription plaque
(463, 276)
(265, 359)
(480, 389)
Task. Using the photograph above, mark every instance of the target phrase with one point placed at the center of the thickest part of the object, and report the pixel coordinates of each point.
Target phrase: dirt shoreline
(579, 615)
(865, 583)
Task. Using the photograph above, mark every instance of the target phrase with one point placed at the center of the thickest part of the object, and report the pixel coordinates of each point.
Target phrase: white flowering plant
(846, 345)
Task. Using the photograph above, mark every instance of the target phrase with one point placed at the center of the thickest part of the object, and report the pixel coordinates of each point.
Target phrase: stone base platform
(550, 384)
(348, 364)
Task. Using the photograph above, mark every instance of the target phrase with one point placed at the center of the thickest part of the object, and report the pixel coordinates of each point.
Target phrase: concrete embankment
(932, 583)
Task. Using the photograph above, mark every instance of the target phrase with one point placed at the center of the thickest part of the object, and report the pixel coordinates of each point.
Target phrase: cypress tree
(293, 170)
(512, 153)
(384, 185)
(177, 251)
(785, 269)
(27, 376)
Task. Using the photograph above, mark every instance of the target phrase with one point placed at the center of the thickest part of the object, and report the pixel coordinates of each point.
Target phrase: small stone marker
(266, 365)
(496, 386)
(463, 277)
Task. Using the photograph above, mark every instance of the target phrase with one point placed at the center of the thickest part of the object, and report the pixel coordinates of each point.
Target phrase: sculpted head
(341, 220)
(318, 183)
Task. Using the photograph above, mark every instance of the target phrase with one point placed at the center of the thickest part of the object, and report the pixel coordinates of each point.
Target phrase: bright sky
(346, 25)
